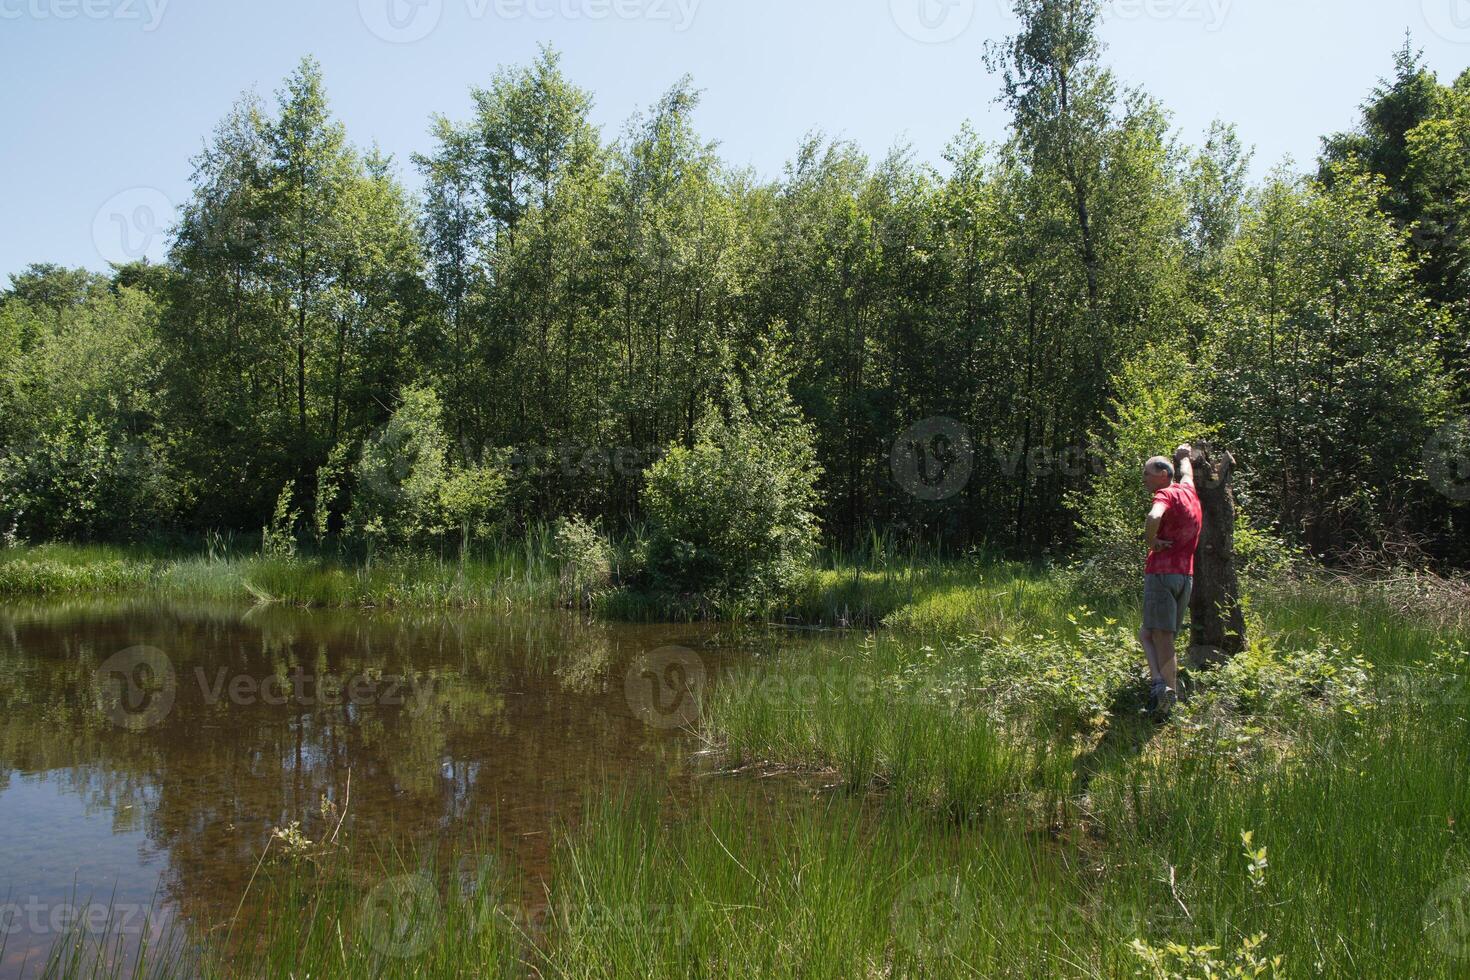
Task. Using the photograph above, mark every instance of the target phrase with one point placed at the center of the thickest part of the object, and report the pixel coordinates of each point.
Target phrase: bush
(731, 518)
(586, 557)
(471, 498)
(77, 480)
(408, 492)
(400, 473)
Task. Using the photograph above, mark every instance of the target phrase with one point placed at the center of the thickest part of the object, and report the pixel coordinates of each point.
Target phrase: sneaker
(1167, 699)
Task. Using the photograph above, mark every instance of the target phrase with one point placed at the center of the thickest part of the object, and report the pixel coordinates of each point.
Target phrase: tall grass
(509, 572)
(746, 887)
(1361, 831)
(1340, 744)
(852, 709)
(66, 570)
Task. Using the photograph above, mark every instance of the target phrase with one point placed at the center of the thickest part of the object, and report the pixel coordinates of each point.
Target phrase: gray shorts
(1165, 601)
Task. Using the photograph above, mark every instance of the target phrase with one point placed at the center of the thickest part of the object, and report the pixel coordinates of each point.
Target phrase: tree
(409, 491)
(291, 322)
(400, 474)
(1216, 188)
(82, 444)
(1414, 136)
(1328, 384)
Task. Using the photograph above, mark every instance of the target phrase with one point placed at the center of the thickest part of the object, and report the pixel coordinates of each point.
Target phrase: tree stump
(1218, 624)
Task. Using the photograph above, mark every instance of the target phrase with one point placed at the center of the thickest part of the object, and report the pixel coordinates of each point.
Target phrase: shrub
(1051, 677)
(278, 538)
(731, 517)
(471, 498)
(78, 480)
(400, 473)
(408, 491)
(586, 557)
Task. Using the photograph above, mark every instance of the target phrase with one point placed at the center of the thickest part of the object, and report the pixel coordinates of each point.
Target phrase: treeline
(576, 304)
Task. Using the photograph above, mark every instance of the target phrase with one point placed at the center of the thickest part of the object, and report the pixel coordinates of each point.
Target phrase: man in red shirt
(1173, 531)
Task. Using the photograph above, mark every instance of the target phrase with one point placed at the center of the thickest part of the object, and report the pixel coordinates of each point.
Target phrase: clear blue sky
(107, 100)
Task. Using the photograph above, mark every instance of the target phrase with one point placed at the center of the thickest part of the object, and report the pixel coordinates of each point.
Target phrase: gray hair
(1160, 464)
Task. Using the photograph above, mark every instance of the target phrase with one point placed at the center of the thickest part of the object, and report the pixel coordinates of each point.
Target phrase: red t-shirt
(1181, 525)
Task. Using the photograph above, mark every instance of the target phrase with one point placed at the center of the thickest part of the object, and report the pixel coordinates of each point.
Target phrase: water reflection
(129, 777)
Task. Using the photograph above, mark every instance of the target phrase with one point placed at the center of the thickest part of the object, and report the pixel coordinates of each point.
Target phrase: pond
(149, 749)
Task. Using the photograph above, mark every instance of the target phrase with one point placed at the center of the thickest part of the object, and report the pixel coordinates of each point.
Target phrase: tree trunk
(1219, 625)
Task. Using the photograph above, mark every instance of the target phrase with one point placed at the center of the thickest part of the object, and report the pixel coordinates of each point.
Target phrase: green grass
(69, 570)
(740, 883)
(514, 573)
(1340, 742)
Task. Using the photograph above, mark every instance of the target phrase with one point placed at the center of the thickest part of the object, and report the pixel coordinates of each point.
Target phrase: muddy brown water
(149, 749)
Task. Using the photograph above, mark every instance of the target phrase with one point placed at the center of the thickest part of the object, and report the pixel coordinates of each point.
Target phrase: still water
(149, 749)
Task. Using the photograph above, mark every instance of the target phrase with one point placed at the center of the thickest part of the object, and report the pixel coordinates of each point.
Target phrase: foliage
(730, 518)
(1175, 961)
(579, 299)
(1069, 679)
(471, 498)
(401, 472)
(587, 561)
(409, 491)
(329, 479)
(1282, 685)
(1326, 380)
(1154, 411)
(278, 538)
(77, 480)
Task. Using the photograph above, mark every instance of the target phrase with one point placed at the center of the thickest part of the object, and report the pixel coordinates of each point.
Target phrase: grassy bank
(512, 573)
(1339, 744)
(914, 594)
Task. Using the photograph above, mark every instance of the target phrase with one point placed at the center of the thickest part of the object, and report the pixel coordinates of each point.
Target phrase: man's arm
(1184, 464)
(1151, 530)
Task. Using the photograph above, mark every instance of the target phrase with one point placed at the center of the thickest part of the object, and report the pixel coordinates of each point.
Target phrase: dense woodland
(560, 305)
